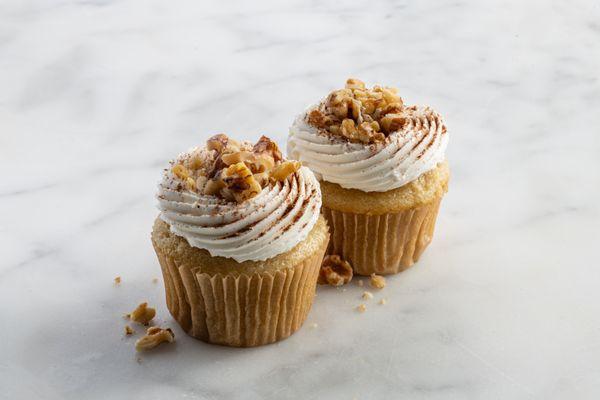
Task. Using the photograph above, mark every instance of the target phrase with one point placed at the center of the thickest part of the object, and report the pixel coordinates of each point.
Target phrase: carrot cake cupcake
(240, 240)
(382, 169)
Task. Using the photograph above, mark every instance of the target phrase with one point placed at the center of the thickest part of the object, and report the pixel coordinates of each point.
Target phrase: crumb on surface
(314, 325)
(155, 280)
(377, 281)
(367, 295)
(383, 301)
(361, 308)
(360, 283)
(142, 314)
(129, 330)
(154, 337)
(335, 271)
(118, 280)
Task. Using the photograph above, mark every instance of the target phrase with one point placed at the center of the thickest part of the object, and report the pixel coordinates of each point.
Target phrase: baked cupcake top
(368, 139)
(239, 200)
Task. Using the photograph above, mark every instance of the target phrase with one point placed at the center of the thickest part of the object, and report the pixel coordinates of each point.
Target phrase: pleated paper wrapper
(381, 244)
(244, 310)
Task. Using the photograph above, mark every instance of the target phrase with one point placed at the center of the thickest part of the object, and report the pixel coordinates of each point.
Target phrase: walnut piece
(240, 183)
(217, 142)
(281, 171)
(335, 271)
(358, 114)
(377, 281)
(118, 280)
(269, 147)
(361, 308)
(142, 314)
(180, 171)
(154, 337)
(129, 330)
(367, 295)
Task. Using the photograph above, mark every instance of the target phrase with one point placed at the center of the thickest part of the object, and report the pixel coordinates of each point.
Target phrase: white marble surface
(96, 96)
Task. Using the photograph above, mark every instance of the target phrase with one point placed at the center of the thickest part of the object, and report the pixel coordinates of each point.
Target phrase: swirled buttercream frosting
(367, 139)
(239, 201)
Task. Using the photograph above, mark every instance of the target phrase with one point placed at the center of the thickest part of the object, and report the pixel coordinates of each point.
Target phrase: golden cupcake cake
(240, 240)
(382, 170)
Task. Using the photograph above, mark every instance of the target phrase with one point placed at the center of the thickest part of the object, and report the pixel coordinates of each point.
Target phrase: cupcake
(382, 171)
(240, 240)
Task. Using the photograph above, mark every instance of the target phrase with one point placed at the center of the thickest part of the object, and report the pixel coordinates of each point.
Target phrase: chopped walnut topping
(377, 281)
(142, 314)
(359, 114)
(154, 337)
(239, 183)
(335, 271)
(129, 330)
(217, 142)
(180, 171)
(285, 169)
(361, 308)
(232, 170)
(268, 147)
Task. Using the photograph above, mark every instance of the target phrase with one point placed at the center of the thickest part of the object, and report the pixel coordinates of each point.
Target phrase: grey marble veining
(97, 95)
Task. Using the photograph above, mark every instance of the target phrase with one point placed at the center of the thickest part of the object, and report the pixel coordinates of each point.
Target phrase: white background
(96, 96)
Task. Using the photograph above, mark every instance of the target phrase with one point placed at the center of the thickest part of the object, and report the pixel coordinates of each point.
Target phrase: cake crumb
(154, 337)
(382, 301)
(377, 281)
(361, 308)
(155, 280)
(367, 295)
(334, 271)
(118, 280)
(129, 330)
(142, 314)
(360, 283)
(314, 325)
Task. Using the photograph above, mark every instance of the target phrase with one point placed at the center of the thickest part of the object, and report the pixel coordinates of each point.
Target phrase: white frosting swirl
(406, 154)
(271, 223)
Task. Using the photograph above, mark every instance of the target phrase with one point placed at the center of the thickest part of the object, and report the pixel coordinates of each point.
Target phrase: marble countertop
(97, 95)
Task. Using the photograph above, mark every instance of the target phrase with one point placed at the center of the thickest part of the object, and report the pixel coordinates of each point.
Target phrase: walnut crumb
(335, 271)
(367, 295)
(129, 330)
(118, 280)
(377, 281)
(383, 301)
(142, 314)
(361, 308)
(154, 337)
